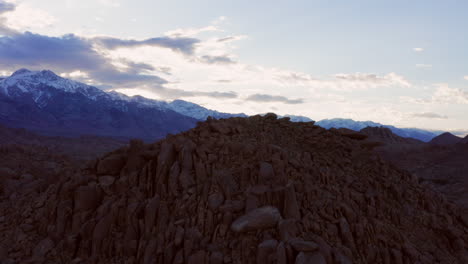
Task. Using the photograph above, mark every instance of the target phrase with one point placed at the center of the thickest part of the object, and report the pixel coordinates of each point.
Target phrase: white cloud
(5, 73)
(424, 66)
(28, 18)
(430, 115)
(190, 32)
(442, 95)
(75, 74)
(418, 49)
(446, 95)
(465, 77)
(111, 3)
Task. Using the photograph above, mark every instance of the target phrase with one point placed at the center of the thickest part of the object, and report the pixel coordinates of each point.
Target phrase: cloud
(189, 32)
(443, 95)
(425, 66)
(178, 44)
(70, 53)
(112, 3)
(5, 7)
(266, 98)
(216, 59)
(169, 93)
(16, 18)
(370, 80)
(446, 95)
(465, 77)
(430, 115)
(231, 38)
(418, 49)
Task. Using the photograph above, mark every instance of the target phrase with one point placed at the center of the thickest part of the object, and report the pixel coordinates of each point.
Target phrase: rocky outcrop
(446, 139)
(240, 190)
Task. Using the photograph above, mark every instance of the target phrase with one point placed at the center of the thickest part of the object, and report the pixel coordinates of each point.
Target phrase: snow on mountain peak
(22, 71)
(25, 81)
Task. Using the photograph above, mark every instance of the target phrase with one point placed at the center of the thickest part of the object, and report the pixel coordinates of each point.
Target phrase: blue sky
(396, 62)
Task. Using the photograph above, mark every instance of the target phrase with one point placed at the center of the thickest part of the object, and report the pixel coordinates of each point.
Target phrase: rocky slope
(440, 164)
(78, 150)
(240, 190)
(446, 139)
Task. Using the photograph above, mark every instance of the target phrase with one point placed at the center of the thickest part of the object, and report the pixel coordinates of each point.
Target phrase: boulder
(111, 165)
(260, 218)
(310, 258)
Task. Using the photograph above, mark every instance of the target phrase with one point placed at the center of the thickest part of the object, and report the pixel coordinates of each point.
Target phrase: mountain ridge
(420, 134)
(446, 139)
(34, 87)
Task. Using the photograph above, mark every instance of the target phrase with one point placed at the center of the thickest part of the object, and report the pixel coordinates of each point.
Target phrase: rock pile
(240, 190)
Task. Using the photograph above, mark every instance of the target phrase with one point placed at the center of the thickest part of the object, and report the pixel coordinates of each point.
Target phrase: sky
(402, 63)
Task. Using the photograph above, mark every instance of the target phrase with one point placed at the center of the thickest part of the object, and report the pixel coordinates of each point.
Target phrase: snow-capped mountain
(423, 135)
(45, 102)
(197, 111)
(36, 83)
(296, 118)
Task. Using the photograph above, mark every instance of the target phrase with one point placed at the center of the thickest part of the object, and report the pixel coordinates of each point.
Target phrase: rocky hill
(239, 190)
(464, 140)
(385, 134)
(77, 149)
(446, 139)
(440, 164)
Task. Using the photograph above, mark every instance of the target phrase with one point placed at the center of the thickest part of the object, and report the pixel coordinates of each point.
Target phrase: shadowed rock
(260, 218)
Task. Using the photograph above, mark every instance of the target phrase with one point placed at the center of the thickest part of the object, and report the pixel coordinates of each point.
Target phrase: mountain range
(44, 102)
(420, 134)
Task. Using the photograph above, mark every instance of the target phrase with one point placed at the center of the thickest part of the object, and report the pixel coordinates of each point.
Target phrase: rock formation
(239, 190)
(446, 139)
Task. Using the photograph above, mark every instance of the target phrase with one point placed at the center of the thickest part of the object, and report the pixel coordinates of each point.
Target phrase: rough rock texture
(438, 165)
(322, 198)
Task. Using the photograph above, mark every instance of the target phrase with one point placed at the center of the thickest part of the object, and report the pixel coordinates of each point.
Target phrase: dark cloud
(266, 98)
(216, 59)
(224, 81)
(430, 115)
(6, 7)
(226, 39)
(179, 44)
(66, 54)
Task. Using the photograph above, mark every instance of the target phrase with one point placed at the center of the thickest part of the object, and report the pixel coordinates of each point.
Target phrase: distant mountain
(446, 139)
(464, 140)
(385, 135)
(47, 103)
(420, 134)
(295, 118)
(197, 111)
